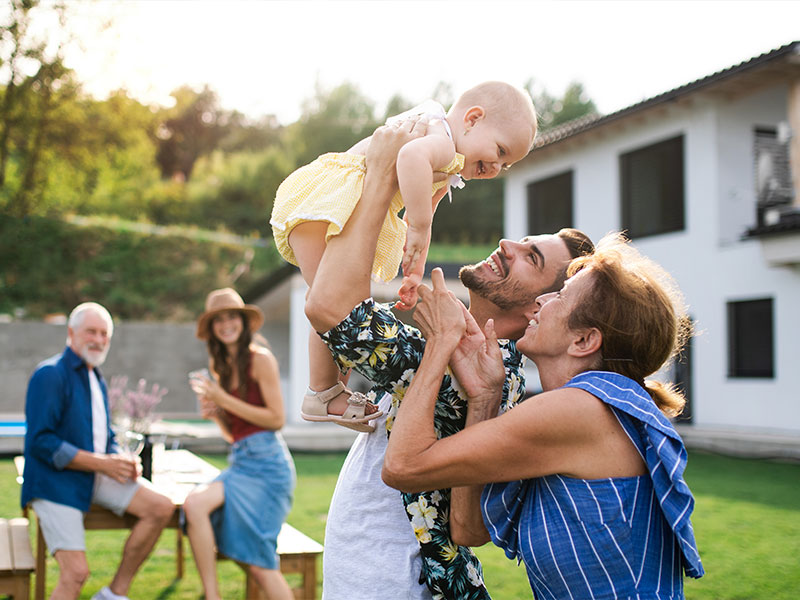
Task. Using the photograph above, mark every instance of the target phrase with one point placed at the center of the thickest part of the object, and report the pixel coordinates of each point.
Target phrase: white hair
(79, 313)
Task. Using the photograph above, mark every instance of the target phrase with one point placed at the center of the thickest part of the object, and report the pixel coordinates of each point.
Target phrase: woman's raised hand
(439, 315)
(477, 362)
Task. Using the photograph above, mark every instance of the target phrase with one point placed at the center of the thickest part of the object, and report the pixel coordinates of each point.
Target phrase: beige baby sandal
(315, 408)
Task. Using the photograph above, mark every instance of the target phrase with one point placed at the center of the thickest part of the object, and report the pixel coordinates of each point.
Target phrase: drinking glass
(195, 377)
(131, 443)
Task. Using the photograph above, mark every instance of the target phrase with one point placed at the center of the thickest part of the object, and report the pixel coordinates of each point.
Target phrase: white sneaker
(107, 594)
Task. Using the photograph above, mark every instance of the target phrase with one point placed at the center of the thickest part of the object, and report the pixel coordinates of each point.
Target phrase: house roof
(761, 69)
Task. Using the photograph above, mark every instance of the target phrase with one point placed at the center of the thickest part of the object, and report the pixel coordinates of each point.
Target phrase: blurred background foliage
(195, 164)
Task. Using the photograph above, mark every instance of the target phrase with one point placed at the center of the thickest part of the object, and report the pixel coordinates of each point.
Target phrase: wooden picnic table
(175, 474)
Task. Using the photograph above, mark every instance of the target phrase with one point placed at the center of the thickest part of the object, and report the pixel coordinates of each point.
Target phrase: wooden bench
(16, 558)
(298, 554)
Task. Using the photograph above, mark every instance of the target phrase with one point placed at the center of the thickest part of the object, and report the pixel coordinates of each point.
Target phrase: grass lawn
(747, 523)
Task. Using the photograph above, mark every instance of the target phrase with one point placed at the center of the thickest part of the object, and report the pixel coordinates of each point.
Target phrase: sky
(266, 57)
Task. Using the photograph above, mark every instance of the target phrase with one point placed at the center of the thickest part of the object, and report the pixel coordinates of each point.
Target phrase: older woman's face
(227, 326)
(547, 333)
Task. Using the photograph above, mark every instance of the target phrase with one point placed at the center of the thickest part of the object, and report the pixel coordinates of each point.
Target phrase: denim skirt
(259, 485)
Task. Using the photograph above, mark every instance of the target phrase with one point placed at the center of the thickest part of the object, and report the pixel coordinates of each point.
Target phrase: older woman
(586, 478)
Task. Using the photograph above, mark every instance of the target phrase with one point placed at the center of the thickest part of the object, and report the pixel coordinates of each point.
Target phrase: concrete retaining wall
(161, 353)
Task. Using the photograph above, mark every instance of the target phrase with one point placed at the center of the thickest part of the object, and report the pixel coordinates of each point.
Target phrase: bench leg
(22, 588)
(309, 577)
(41, 563)
(179, 553)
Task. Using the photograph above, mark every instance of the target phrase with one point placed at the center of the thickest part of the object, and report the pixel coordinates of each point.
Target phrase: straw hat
(227, 299)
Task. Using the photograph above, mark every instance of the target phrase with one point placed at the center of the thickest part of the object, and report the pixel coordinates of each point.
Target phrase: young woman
(242, 510)
(585, 479)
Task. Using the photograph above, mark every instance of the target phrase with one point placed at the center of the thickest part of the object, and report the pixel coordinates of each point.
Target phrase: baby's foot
(339, 405)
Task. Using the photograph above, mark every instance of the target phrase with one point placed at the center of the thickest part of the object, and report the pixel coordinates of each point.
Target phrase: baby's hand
(408, 292)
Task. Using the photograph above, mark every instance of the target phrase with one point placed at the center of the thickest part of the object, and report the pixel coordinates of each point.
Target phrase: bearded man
(72, 459)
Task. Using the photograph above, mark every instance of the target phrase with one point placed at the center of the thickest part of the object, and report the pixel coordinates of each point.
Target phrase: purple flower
(134, 408)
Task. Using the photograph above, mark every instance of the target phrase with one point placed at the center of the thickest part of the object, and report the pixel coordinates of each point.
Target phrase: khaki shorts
(62, 525)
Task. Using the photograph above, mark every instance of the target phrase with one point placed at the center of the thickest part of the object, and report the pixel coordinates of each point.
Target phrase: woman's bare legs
(198, 508)
(272, 583)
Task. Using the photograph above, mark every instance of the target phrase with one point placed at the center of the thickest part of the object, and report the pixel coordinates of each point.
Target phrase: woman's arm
(265, 372)
(478, 367)
(209, 410)
(466, 520)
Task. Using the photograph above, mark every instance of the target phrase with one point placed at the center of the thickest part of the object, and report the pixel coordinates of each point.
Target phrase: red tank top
(239, 427)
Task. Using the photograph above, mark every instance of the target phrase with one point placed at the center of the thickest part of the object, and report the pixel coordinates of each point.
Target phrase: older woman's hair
(639, 309)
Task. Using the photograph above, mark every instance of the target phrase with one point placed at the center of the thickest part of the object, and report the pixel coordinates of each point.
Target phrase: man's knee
(163, 508)
(73, 568)
(152, 506)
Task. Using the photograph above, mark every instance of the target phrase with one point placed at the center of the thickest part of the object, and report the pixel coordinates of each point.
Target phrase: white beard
(94, 358)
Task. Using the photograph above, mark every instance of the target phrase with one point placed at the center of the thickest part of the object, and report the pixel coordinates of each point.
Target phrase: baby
(490, 127)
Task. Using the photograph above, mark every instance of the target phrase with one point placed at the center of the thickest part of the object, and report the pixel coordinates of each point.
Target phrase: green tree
(553, 111)
(396, 105)
(331, 121)
(37, 82)
(193, 128)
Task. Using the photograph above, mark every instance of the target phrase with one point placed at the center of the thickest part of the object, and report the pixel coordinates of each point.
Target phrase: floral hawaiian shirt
(386, 351)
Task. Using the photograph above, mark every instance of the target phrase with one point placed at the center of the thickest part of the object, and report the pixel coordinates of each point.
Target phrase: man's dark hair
(578, 244)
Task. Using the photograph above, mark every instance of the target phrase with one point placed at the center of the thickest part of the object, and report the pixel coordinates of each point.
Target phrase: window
(550, 204)
(773, 175)
(750, 333)
(682, 378)
(652, 189)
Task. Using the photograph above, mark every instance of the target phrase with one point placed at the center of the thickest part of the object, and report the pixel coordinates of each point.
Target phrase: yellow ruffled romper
(328, 190)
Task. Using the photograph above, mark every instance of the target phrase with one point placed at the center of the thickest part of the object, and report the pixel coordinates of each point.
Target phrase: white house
(705, 179)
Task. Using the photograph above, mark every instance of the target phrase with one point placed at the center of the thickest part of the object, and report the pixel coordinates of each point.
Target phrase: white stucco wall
(710, 261)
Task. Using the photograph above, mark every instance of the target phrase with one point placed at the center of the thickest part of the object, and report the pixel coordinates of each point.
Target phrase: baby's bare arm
(416, 164)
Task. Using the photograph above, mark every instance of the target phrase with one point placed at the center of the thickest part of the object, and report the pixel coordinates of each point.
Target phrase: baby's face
(492, 146)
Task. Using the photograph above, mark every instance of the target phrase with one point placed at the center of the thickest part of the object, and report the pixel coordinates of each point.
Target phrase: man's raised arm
(342, 279)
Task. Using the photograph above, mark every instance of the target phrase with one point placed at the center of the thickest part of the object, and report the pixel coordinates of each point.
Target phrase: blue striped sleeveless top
(627, 537)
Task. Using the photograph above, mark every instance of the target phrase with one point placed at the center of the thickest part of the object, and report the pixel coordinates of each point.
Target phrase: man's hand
(381, 155)
(119, 467)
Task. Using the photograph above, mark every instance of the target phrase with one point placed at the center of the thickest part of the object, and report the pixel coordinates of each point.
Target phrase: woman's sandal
(315, 408)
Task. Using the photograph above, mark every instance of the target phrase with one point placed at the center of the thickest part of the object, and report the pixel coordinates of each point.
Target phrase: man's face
(90, 340)
(517, 272)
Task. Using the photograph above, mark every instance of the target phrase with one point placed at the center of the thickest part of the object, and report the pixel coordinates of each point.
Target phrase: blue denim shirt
(58, 413)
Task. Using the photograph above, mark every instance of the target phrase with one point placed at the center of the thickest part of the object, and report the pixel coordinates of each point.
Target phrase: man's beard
(504, 294)
(94, 357)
